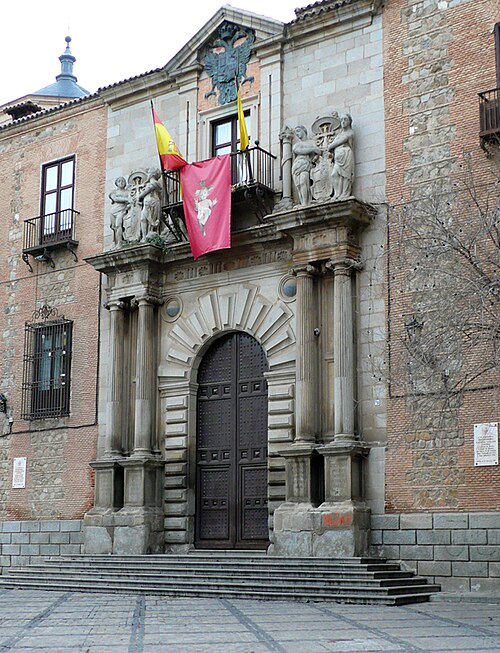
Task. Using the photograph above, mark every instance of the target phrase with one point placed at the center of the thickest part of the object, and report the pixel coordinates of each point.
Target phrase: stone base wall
(459, 551)
(28, 542)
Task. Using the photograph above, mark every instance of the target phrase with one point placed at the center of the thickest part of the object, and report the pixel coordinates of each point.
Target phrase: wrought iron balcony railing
(489, 114)
(249, 169)
(46, 232)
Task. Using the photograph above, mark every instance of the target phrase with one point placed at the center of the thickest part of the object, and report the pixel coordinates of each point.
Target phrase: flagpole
(241, 118)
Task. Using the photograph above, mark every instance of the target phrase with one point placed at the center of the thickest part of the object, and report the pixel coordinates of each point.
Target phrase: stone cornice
(138, 89)
(310, 24)
(255, 237)
(327, 230)
(348, 211)
(128, 258)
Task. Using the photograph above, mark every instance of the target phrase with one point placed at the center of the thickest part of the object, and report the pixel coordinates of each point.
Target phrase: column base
(130, 531)
(128, 518)
(332, 530)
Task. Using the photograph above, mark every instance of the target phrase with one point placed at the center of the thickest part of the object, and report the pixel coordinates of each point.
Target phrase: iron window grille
(47, 365)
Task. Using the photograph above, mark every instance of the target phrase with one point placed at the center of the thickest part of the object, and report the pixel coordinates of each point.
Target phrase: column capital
(286, 134)
(115, 305)
(147, 299)
(344, 266)
(304, 270)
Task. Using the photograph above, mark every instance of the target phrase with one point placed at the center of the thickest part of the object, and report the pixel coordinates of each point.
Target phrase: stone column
(113, 443)
(286, 137)
(343, 349)
(145, 388)
(306, 357)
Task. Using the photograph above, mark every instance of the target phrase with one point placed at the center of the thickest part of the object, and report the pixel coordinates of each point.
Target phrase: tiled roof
(320, 7)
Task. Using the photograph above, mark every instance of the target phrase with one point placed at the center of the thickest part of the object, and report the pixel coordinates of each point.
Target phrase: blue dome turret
(65, 85)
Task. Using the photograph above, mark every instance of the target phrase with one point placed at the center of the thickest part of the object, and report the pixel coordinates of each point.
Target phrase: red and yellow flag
(170, 157)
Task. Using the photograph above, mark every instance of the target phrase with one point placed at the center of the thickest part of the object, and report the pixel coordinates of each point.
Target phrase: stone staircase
(223, 574)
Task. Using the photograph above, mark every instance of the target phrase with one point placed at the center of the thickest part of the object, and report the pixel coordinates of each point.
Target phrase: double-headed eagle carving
(226, 59)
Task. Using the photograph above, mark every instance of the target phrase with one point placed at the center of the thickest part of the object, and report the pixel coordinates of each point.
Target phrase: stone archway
(234, 308)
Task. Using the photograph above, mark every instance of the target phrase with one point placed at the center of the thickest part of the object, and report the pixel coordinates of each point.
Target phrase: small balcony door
(57, 200)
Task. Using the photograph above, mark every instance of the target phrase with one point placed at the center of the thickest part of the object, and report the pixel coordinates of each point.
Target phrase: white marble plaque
(19, 473)
(486, 444)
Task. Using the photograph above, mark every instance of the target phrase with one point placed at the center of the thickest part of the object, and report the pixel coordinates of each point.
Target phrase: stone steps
(184, 571)
(355, 580)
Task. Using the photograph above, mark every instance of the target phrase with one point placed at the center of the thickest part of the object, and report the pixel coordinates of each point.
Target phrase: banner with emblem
(206, 190)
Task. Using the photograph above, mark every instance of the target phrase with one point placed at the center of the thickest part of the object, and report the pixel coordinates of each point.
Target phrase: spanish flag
(170, 156)
(244, 140)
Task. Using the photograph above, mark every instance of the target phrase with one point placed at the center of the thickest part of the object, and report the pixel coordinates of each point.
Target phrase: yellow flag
(244, 141)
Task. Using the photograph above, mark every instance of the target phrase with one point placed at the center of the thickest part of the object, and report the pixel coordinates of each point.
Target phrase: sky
(110, 40)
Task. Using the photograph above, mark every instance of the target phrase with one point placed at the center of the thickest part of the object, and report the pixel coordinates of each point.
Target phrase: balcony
(489, 115)
(48, 232)
(252, 179)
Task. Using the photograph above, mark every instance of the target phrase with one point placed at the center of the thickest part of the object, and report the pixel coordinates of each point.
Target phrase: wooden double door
(231, 455)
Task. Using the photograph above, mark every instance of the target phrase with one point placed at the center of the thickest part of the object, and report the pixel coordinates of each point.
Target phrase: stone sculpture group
(323, 165)
(136, 213)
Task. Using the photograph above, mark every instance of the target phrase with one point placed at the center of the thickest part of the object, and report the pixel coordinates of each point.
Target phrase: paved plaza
(64, 622)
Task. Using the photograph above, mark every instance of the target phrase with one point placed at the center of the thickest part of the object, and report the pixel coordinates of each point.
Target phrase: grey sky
(110, 40)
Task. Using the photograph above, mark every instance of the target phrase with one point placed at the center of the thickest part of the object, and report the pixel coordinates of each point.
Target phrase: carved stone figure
(306, 152)
(226, 60)
(151, 205)
(120, 206)
(343, 163)
(132, 222)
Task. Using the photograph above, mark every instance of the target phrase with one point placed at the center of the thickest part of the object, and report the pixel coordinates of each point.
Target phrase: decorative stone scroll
(323, 164)
(135, 213)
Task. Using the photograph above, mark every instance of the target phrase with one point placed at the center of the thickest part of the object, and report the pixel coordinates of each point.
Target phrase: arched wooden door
(231, 453)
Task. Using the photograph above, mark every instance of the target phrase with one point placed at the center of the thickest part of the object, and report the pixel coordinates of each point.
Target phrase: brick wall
(437, 57)
(59, 480)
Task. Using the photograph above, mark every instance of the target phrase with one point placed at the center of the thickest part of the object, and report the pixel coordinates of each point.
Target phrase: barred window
(47, 367)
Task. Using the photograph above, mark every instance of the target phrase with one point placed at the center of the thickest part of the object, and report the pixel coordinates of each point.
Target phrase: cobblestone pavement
(64, 622)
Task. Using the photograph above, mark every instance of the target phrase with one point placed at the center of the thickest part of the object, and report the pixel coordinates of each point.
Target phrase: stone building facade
(260, 396)
(292, 273)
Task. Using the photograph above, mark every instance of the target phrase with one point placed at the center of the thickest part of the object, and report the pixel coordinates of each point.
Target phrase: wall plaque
(486, 444)
(19, 473)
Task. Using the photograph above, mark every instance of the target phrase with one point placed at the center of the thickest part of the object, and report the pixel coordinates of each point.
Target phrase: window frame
(235, 132)
(56, 224)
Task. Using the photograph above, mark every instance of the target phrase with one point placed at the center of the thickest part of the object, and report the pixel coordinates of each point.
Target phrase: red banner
(206, 192)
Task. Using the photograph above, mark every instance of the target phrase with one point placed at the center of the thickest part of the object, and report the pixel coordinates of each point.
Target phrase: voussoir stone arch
(238, 308)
